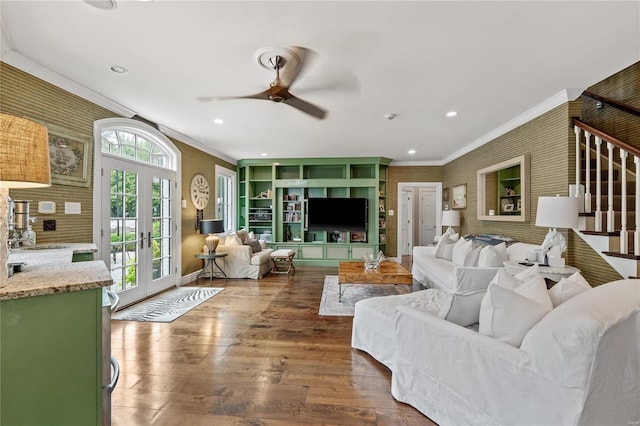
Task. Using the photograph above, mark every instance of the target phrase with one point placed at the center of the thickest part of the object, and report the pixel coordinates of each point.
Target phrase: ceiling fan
(286, 73)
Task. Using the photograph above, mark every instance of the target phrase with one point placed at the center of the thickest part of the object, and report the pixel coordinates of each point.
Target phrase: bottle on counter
(29, 237)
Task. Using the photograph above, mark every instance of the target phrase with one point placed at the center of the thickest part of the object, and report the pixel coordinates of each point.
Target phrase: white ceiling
(495, 62)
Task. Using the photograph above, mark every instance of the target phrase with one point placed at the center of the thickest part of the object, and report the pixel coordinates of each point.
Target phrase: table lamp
(211, 227)
(24, 163)
(556, 212)
(450, 218)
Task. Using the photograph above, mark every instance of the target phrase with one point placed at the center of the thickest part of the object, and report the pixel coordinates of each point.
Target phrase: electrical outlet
(49, 225)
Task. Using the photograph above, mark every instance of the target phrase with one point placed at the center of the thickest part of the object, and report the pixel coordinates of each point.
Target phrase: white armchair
(241, 262)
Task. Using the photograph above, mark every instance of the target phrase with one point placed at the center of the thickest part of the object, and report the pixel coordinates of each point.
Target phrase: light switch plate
(72, 208)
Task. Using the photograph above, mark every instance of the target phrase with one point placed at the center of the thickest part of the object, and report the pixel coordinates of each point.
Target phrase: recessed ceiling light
(118, 69)
(412, 151)
(390, 116)
(218, 121)
(452, 113)
(264, 154)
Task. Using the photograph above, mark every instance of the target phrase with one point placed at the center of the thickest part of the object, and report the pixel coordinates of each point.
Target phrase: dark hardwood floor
(258, 353)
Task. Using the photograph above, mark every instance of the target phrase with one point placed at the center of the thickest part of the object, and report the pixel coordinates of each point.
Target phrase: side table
(210, 259)
(548, 272)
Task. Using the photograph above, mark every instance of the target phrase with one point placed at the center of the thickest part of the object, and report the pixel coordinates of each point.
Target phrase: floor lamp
(24, 163)
(556, 212)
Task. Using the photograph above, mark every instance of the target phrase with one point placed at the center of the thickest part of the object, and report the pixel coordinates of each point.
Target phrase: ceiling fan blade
(262, 95)
(306, 107)
(288, 75)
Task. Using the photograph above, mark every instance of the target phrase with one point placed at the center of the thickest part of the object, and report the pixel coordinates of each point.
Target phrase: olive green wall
(24, 95)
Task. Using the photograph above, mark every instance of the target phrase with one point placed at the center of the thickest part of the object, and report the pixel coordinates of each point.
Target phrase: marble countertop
(49, 270)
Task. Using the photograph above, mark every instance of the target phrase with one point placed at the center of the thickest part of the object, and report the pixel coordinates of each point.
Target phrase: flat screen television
(337, 214)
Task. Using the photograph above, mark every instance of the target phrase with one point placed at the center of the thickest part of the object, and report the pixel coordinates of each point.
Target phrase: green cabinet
(51, 359)
(272, 202)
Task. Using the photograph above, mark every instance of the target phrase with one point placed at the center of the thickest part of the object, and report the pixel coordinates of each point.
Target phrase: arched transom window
(134, 146)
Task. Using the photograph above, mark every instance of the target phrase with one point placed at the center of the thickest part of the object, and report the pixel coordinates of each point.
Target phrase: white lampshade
(450, 218)
(557, 212)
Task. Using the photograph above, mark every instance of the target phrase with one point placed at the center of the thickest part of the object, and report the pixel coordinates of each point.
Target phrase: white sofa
(580, 364)
(241, 262)
(443, 274)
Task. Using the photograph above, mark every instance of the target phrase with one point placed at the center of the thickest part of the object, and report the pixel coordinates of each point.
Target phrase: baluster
(576, 130)
(587, 172)
(610, 218)
(598, 221)
(636, 234)
(624, 244)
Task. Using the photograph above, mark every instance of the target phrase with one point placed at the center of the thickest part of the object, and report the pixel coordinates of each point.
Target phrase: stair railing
(625, 150)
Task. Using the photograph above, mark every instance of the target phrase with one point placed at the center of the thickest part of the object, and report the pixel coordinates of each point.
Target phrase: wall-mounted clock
(199, 190)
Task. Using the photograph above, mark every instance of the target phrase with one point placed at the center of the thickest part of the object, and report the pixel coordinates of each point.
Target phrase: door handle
(149, 240)
(114, 378)
(142, 240)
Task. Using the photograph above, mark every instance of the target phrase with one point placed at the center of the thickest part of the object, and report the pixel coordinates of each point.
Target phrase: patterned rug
(167, 306)
(351, 293)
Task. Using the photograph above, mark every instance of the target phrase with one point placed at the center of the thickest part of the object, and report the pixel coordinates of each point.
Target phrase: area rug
(351, 293)
(167, 306)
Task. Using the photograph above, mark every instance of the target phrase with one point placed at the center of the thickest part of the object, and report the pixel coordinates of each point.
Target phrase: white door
(406, 225)
(139, 232)
(427, 216)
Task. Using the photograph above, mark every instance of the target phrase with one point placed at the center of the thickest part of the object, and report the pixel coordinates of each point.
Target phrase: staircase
(606, 170)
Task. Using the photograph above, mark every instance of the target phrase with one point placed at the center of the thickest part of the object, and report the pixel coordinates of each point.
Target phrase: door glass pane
(123, 229)
(161, 229)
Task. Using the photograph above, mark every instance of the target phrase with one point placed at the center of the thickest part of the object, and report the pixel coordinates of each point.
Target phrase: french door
(138, 227)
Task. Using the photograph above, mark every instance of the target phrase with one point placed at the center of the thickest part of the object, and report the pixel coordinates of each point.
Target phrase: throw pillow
(232, 240)
(507, 316)
(444, 248)
(464, 254)
(465, 309)
(568, 288)
(255, 246)
(243, 234)
(492, 256)
(527, 283)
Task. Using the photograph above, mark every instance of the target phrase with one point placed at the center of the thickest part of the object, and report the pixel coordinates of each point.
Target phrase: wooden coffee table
(355, 273)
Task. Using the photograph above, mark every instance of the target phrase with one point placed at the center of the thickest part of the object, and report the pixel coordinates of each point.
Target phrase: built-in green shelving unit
(272, 202)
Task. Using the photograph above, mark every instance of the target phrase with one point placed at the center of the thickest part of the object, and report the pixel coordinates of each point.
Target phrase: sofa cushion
(512, 306)
(492, 255)
(232, 240)
(444, 248)
(255, 245)
(465, 309)
(243, 234)
(464, 254)
(507, 315)
(568, 288)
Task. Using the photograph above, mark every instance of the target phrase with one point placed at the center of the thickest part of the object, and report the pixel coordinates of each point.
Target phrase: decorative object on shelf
(199, 191)
(459, 196)
(450, 218)
(358, 237)
(265, 194)
(383, 238)
(556, 212)
(508, 207)
(212, 227)
(381, 206)
(24, 155)
(68, 157)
